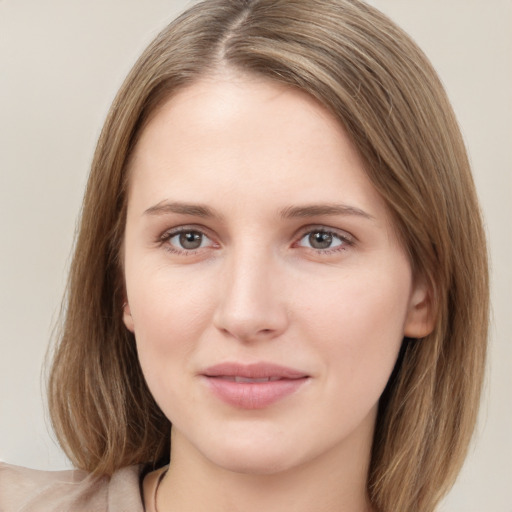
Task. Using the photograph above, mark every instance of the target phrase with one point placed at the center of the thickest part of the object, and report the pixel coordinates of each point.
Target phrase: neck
(332, 482)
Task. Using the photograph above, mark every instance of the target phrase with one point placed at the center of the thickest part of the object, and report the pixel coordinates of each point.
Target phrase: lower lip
(253, 395)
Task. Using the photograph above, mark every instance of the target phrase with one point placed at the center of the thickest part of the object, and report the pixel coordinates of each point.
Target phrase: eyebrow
(196, 210)
(314, 210)
(317, 210)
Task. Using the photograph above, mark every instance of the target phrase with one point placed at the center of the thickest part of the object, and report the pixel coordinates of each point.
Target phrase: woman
(276, 255)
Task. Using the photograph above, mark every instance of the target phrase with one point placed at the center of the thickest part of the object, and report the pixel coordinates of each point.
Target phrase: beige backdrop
(60, 65)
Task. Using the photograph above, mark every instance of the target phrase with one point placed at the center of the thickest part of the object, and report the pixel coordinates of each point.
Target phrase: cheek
(167, 304)
(170, 314)
(358, 327)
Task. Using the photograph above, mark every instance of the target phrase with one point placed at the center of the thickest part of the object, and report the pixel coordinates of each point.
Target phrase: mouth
(253, 386)
(237, 378)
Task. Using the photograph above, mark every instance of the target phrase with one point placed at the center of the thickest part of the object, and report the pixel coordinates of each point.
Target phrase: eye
(322, 240)
(186, 240)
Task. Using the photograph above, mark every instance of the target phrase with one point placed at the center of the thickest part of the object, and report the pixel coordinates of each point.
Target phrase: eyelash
(345, 240)
(168, 235)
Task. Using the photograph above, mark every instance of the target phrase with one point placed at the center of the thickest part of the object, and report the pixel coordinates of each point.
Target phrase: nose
(252, 298)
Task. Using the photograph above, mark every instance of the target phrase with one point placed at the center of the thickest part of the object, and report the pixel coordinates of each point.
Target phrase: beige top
(30, 490)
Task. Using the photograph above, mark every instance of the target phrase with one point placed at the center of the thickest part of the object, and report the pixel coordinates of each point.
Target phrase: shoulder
(31, 490)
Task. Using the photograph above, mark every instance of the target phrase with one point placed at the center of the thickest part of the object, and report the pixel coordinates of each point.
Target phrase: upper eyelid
(345, 243)
(169, 232)
(305, 229)
(327, 229)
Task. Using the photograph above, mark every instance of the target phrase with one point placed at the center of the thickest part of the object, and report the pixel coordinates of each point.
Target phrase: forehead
(248, 138)
(246, 105)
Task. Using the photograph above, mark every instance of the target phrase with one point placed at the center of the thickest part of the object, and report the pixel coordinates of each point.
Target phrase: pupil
(190, 240)
(320, 240)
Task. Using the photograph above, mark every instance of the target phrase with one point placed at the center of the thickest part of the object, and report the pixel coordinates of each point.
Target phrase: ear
(420, 318)
(127, 317)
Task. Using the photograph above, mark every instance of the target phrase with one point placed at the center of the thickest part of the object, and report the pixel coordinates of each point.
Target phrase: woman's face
(265, 285)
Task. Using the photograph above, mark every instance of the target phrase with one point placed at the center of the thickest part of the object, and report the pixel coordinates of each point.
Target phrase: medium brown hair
(385, 93)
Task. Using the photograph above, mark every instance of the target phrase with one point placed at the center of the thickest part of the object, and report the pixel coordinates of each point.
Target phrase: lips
(253, 386)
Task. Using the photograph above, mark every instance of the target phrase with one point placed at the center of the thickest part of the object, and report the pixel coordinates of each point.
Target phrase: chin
(253, 457)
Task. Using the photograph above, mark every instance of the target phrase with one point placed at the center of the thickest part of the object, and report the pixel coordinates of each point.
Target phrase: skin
(259, 288)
